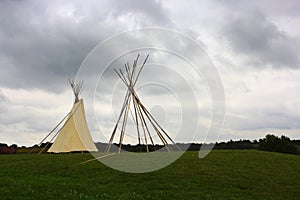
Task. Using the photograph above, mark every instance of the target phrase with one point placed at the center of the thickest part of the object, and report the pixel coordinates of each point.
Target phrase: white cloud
(30, 114)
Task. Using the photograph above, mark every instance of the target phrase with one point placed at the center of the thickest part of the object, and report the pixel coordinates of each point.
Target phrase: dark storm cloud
(44, 43)
(35, 52)
(261, 42)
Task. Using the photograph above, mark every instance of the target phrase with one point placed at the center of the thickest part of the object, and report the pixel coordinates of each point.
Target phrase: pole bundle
(76, 88)
(142, 117)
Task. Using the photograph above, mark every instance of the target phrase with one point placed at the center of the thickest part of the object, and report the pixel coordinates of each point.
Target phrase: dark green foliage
(240, 144)
(14, 146)
(276, 144)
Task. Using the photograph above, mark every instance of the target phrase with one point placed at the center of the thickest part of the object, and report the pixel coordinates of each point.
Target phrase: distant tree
(276, 144)
(240, 144)
(45, 144)
(3, 145)
(255, 142)
(5, 149)
(14, 146)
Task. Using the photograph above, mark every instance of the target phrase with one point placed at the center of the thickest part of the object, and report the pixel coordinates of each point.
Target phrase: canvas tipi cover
(74, 135)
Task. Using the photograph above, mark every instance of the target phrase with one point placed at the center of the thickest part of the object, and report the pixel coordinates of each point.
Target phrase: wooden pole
(144, 123)
(137, 121)
(134, 66)
(116, 126)
(124, 124)
(140, 70)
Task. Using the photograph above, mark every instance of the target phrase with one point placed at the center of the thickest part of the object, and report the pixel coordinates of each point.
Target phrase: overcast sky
(254, 45)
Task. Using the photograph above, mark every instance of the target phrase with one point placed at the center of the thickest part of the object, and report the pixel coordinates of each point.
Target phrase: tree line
(270, 142)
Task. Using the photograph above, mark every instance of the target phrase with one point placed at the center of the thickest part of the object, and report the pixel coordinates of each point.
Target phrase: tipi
(143, 119)
(74, 135)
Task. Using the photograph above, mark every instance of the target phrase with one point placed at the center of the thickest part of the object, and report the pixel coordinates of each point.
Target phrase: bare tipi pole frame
(76, 88)
(141, 114)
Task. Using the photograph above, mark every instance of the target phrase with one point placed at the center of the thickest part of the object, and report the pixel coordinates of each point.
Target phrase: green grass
(221, 175)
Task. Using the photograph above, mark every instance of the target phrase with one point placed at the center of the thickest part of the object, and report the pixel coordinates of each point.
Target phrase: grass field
(221, 175)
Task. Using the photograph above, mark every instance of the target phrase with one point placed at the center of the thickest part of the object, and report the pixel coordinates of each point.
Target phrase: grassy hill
(223, 174)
